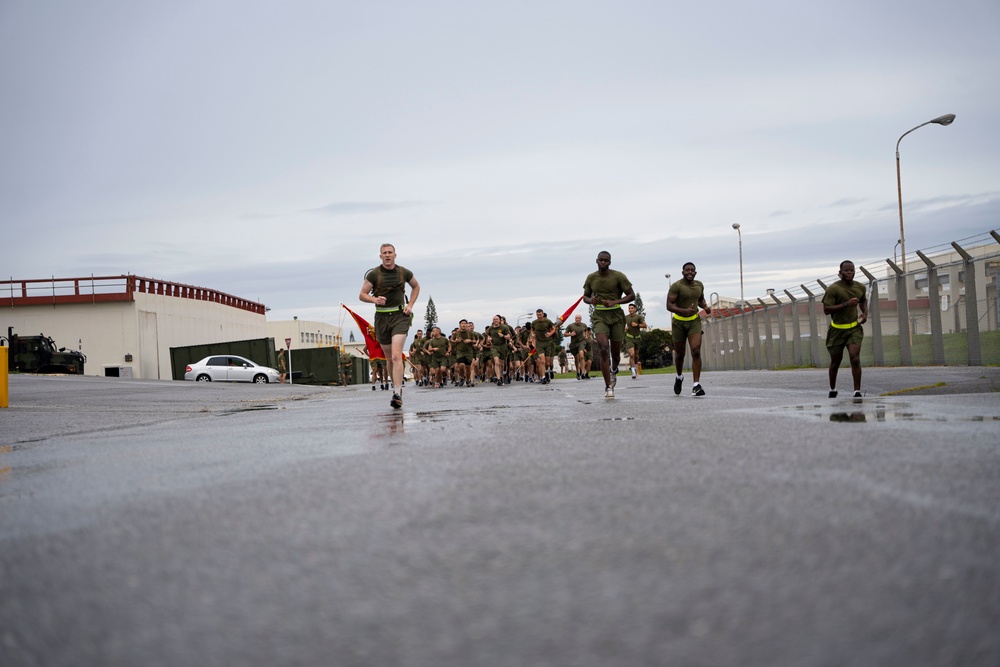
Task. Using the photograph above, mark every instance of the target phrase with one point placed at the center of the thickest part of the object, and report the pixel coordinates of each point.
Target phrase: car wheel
(260, 379)
(204, 377)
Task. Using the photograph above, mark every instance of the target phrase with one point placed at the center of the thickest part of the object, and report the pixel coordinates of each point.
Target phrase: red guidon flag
(368, 331)
(569, 311)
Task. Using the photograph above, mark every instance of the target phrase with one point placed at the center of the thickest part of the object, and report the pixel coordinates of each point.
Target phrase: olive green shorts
(681, 329)
(610, 322)
(388, 325)
(838, 339)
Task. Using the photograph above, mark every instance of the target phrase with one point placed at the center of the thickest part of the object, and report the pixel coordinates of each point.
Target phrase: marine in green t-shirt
(607, 290)
(574, 332)
(385, 287)
(635, 322)
(846, 303)
(684, 299)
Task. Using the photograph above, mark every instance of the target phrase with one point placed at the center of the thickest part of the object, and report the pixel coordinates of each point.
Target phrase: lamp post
(736, 226)
(894, 259)
(946, 119)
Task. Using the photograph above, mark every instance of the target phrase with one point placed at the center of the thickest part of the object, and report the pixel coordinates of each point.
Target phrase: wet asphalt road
(171, 523)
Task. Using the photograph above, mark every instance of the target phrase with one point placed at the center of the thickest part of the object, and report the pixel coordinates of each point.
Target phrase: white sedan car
(229, 368)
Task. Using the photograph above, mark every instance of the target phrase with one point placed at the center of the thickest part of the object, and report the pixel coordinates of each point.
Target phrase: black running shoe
(373, 387)
(678, 383)
(832, 394)
(397, 401)
(697, 390)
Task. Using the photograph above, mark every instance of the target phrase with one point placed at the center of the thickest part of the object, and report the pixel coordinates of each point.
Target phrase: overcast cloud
(266, 149)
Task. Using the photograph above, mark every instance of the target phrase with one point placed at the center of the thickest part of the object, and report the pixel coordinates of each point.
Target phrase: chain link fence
(938, 308)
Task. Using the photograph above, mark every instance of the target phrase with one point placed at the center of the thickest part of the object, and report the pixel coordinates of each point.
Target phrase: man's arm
(672, 303)
(414, 293)
(366, 294)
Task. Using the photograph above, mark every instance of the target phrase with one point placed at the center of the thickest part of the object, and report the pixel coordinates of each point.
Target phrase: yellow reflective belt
(397, 309)
(614, 307)
(685, 319)
(844, 326)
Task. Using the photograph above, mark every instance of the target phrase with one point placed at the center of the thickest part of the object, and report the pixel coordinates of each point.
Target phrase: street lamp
(946, 119)
(898, 241)
(736, 226)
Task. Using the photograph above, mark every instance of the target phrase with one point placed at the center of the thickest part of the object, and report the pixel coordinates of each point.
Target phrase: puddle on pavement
(251, 408)
(874, 412)
(427, 416)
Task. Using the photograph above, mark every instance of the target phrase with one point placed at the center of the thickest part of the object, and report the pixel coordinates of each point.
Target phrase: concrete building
(304, 334)
(126, 325)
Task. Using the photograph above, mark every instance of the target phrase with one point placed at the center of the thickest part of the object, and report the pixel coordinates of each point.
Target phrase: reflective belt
(397, 309)
(685, 319)
(614, 307)
(844, 326)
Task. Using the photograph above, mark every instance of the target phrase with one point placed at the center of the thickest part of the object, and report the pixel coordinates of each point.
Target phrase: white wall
(146, 328)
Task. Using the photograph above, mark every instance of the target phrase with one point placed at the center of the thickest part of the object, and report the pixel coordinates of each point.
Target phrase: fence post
(736, 355)
(937, 337)
(902, 315)
(971, 307)
(796, 330)
(874, 319)
(782, 332)
(768, 346)
(813, 327)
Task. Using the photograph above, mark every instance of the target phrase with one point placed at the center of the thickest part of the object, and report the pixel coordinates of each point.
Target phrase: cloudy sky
(266, 149)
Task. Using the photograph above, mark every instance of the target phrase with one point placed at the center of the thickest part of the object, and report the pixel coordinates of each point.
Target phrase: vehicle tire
(260, 378)
(204, 377)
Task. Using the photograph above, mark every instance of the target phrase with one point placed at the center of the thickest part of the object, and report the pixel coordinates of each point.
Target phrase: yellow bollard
(3, 377)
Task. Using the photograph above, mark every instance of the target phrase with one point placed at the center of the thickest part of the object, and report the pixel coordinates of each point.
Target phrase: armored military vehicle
(38, 354)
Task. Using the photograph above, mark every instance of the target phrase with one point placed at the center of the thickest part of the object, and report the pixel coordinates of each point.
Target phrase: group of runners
(501, 354)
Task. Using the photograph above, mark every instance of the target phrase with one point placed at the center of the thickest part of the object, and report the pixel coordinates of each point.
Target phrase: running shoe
(832, 394)
(678, 383)
(609, 392)
(857, 394)
(697, 390)
(397, 401)
(614, 377)
(373, 387)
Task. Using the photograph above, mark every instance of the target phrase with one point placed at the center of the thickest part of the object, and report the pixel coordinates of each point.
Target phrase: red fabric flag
(565, 316)
(368, 331)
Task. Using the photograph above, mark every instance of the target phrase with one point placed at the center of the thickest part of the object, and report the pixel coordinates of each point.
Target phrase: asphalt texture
(171, 523)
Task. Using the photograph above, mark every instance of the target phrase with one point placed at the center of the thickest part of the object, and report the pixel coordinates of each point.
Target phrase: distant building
(126, 324)
(304, 334)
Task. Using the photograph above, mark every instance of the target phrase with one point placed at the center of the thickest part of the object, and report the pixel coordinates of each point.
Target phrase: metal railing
(102, 289)
(943, 313)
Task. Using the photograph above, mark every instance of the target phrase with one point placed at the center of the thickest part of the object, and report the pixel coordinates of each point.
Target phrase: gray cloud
(356, 208)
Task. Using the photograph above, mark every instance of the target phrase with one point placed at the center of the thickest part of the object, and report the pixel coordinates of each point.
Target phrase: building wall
(304, 334)
(145, 328)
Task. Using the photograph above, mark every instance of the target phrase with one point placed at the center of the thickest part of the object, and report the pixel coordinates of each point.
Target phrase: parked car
(229, 368)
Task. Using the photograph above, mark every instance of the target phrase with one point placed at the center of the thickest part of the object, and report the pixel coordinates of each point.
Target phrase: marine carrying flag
(565, 316)
(368, 331)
